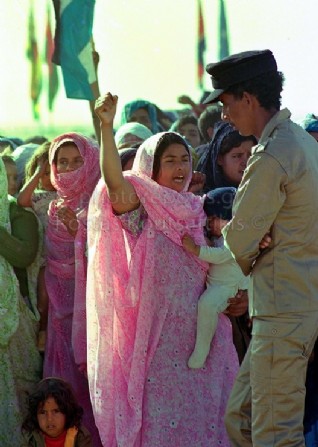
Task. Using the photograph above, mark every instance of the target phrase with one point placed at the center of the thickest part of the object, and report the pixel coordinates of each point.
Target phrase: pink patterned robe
(142, 294)
(65, 274)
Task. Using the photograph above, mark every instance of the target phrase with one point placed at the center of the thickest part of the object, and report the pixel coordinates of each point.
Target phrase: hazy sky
(148, 50)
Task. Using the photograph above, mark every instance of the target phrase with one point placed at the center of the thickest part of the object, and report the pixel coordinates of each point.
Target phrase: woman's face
(129, 140)
(175, 167)
(191, 133)
(68, 159)
(50, 418)
(129, 164)
(140, 116)
(234, 162)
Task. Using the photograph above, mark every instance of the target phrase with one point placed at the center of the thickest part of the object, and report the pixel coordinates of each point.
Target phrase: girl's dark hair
(41, 153)
(64, 397)
(266, 87)
(163, 142)
(234, 139)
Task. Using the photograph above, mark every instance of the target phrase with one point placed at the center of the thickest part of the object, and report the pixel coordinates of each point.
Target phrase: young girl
(37, 193)
(224, 278)
(54, 417)
(74, 161)
(142, 293)
(226, 157)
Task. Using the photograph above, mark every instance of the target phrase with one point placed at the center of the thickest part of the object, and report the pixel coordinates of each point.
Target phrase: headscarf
(137, 129)
(310, 123)
(66, 256)
(9, 298)
(21, 156)
(125, 313)
(132, 106)
(208, 163)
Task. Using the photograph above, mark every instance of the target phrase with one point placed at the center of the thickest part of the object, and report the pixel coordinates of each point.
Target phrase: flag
(36, 65)
(223, 34)
(201, 46)
(73, 46)
(53, 80)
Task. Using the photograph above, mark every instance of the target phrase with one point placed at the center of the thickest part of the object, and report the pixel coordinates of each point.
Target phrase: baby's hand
(189, 245)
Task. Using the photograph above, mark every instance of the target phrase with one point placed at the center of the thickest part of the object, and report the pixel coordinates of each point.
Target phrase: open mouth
(179, 179)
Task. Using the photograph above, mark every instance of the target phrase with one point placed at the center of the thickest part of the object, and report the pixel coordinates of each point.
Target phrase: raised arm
(25, 195)
(121, 193)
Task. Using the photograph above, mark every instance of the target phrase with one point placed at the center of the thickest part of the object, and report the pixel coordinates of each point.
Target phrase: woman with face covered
(74, 161)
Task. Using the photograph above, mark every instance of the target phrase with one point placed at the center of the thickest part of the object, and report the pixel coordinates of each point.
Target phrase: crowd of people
(158, 288)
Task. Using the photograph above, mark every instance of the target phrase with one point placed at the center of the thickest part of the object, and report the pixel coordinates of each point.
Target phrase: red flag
(53, 81)
(201, 46)
(36, 65)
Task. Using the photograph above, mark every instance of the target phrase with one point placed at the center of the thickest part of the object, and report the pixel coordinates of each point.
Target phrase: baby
(224, 277)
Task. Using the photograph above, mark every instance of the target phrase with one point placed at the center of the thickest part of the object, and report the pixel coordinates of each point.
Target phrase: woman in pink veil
(74, 161)
(142, 294)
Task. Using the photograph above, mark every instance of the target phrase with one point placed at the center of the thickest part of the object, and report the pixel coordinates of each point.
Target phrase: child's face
(51, 420)
(215, 225)
(12, 176)
(45, 181)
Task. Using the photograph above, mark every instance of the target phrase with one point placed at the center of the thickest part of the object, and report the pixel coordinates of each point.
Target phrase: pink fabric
(66, 273)
(142, 299)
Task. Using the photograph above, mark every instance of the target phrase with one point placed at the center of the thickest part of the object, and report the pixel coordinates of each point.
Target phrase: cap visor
(213, 97)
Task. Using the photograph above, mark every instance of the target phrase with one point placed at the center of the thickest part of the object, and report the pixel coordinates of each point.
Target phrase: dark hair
(208, 118)
(234, 139)
(64, 397)
(186, 119)
(41, 153)
(266, 87)
(163, 142)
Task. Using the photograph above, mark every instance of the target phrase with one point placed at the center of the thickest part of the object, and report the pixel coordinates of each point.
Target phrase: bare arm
(121, 192)
(25, 195)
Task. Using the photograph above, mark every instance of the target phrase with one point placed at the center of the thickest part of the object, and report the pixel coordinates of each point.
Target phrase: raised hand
(105, 108)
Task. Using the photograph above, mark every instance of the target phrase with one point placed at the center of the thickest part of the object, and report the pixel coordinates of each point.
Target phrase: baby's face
(215, 225)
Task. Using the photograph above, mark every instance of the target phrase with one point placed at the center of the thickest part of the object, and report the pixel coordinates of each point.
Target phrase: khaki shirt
(279, 194)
